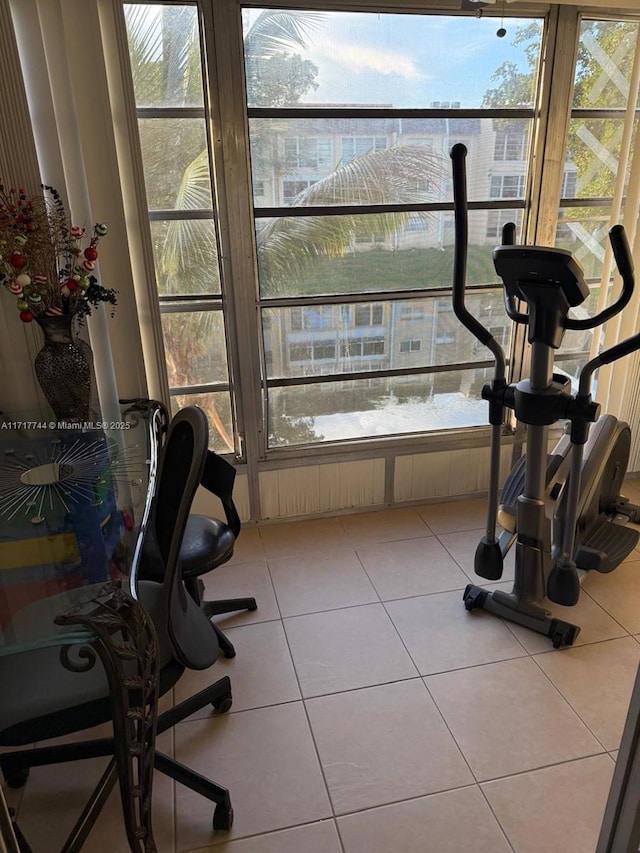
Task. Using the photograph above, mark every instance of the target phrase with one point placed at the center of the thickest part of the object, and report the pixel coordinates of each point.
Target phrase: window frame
(216, 302)
(240, 260)
(523, 204)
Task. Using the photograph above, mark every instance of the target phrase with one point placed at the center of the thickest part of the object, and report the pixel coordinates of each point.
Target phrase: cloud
(358, 58)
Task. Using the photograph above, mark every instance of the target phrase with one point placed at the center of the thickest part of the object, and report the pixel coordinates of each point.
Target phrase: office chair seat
(207, 544)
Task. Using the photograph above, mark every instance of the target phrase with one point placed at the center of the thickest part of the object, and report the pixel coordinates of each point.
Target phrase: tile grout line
(559, 691)
(312, 735)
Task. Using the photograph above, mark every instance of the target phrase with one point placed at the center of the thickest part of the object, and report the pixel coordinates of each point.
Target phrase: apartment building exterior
(313, 340)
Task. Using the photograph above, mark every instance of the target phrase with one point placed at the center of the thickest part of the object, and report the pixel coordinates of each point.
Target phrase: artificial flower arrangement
(42, 260)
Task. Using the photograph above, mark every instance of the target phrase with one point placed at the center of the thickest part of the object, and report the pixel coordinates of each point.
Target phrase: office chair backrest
(218, 478)
(180, 471)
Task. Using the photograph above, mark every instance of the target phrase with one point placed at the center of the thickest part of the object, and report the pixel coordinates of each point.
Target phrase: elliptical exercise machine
(563, 510)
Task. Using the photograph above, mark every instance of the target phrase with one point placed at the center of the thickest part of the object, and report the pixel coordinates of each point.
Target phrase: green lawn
(379, 270)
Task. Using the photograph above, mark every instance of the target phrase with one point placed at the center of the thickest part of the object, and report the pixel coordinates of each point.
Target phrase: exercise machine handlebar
(458, 158)
(624, 262)
(509, 234)
(621, 252)
(488, 553)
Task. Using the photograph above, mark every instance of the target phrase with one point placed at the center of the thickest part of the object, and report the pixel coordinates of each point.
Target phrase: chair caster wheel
(229, 653)
(222, 705)
(252, 607)
(17, 778)
(223, 816)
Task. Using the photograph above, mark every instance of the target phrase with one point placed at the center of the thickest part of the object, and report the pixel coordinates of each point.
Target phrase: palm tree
(402, 174)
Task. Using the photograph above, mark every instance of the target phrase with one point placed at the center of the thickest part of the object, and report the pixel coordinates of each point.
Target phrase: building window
(363, 347)
(316, 351)
(494, 226)
(369, 315)
(510, 145)
(445, 338)
(507, 186)
(411, 311)
(356, 146)
(569, 184)
(411, 345)
(415, 224)
(290, 189)
(302, 154)
(312, 318)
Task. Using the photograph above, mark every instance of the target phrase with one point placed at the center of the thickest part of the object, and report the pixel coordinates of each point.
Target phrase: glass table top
(72, 500)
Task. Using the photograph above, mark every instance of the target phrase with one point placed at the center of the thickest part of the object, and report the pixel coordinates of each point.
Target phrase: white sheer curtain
(619, 384)
(19, 392)
(73, 114)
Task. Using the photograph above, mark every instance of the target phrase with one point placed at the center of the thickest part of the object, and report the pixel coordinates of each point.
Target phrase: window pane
(583, 231)
(377, 336)
(217, 407)
(165, 55)
(593, 149)
(319, 162)
(570, 366)
(371, 59)
(376, 407)
(194, 347)
(176, 164)
(312, 255)
(605, 61)
(186, 257)
(166, 61)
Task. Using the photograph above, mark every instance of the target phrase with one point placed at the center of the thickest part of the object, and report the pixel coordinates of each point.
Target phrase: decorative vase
(64, 368)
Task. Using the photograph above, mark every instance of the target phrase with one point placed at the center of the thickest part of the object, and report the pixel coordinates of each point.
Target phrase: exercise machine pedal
(606, 547)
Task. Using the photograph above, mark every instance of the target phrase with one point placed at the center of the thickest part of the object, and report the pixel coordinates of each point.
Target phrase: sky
(406, 60)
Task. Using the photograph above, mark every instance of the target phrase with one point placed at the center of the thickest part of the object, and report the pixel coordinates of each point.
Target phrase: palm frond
(161, 47)
(188, 245)
(276, 30)
(406, 174)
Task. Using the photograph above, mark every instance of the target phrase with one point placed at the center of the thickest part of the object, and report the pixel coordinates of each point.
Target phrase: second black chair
(207, 544)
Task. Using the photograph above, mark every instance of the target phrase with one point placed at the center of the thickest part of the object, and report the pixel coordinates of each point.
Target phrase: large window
(376, 220)
(166, 64)
(350, 120)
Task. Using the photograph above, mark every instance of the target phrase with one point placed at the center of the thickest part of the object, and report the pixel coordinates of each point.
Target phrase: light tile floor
(373, 714)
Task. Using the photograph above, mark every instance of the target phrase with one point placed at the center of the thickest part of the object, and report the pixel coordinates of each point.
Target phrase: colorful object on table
(40, 253)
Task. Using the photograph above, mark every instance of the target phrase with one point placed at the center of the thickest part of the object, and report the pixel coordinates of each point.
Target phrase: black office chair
(207, 544)
(41, 699)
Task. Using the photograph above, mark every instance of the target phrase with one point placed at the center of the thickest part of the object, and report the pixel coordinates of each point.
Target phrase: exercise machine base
(531, 616)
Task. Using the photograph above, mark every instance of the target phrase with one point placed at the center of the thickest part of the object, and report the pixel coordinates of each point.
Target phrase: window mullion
(553, 124)
(224, 60)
